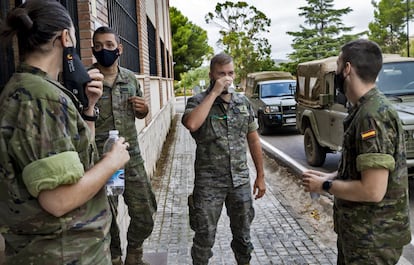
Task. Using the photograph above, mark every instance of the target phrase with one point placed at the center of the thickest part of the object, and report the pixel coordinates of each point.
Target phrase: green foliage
(322, 35)
(404, 52)
(388, 27)
(241, 28)
(191, 79)
(189, 43)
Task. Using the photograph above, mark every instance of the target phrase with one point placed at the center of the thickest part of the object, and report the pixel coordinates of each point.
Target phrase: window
(163, 62)
(6, 55)
(152, 46)
(122, 15)
(72, 7)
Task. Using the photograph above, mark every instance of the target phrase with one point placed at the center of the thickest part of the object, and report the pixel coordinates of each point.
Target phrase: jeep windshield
(278, 89)
(396, 79)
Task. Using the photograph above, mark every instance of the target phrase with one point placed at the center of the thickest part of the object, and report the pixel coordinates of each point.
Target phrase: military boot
(134, 257)
(117, 261)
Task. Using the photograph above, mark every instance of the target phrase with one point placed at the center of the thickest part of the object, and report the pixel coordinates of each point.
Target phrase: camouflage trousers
(348, 254)
(205, 206)
(140, 199)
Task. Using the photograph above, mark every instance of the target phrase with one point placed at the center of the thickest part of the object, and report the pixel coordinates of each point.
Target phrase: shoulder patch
(368, 134)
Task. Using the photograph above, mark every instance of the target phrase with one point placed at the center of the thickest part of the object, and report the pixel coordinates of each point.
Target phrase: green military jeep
(271, 94)
(320, 109)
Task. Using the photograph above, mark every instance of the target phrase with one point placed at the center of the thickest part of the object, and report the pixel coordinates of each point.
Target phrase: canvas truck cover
(254, 78)
(311, 80)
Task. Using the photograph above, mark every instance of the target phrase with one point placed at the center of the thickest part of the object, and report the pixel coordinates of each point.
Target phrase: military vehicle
(272, 96)
(320, 109)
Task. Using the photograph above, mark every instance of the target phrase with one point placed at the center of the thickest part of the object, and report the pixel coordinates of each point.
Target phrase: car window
(278, 89)
(396, 78)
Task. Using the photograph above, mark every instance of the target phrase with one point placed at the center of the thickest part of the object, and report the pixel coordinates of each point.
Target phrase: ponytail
(34, 23)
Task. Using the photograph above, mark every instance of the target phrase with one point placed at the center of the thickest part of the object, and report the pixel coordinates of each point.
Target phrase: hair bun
(19, 17)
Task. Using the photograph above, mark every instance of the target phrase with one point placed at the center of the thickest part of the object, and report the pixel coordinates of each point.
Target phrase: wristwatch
(326, 185)
(91, 118)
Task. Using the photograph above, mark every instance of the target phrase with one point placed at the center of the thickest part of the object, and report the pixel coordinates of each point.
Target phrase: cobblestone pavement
(278, 234)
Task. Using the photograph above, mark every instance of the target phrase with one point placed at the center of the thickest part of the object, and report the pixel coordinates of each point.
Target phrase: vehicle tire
(315, 154)
(263, 130)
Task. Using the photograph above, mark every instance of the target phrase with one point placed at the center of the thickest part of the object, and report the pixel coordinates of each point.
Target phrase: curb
(325, 200)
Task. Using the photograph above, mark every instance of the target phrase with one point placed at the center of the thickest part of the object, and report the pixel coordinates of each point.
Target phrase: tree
(324, 35)
(388, 28)
(189, 43)
(241, 28)
(192, 78)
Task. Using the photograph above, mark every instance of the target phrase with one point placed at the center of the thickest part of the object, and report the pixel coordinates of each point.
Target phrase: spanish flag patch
(368, 134)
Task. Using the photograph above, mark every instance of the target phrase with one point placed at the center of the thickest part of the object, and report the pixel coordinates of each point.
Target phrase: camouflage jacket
(45, 143)
(374, 138)
(117, 114)
(221, 141)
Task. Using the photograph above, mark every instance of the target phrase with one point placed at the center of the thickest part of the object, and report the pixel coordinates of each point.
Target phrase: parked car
(321, 109)
(272, 96)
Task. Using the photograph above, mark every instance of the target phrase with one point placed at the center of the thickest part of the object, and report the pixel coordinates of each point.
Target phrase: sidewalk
(277, 233)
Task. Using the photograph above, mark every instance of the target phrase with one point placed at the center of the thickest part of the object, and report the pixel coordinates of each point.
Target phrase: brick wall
(144, 52)
(91, 14)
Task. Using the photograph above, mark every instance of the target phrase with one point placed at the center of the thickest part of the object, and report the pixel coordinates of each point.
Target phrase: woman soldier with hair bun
(53, 208)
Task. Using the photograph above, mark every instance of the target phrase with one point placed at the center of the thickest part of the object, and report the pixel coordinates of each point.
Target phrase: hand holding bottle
(223, 84)
(119, 152)
(116, 149)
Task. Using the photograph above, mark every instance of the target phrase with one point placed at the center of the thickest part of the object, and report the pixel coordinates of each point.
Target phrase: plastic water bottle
(116, 184)
(231, 88)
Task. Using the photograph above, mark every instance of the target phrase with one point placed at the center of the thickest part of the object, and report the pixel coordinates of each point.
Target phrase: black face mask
(106, 57)
(340, 82)
(74, 75)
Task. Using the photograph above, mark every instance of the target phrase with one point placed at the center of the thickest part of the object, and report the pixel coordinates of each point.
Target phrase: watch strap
(326, 185)
(91, 118)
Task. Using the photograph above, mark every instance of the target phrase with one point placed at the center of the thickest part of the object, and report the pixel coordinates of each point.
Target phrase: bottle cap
(113, 132)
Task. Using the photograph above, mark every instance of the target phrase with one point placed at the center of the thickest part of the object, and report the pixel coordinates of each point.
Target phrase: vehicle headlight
(271, 109)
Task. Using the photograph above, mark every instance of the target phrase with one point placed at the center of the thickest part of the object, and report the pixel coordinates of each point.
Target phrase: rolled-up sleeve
(375, 160)
(51, 172)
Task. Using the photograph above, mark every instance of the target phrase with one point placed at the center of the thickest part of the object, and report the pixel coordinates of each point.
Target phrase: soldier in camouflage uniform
(221, 124)
(120, 104)
(51, 192)
(371, 185)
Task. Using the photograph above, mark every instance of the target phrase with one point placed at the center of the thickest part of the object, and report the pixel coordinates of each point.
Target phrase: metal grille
(72, 7)
(163, 60)
(409, 144)
(152, 48)
(6, 55)
(122, 15)
(168, 64)
(289, 109)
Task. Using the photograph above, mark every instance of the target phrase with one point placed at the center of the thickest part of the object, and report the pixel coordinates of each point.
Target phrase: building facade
(145, 33)
(144, 30)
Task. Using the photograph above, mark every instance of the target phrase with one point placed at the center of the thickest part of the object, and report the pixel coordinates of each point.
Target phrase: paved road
(290, 141)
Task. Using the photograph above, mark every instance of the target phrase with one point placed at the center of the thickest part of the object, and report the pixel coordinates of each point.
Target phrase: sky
(284, 17)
